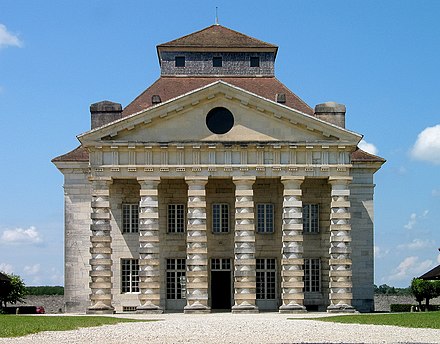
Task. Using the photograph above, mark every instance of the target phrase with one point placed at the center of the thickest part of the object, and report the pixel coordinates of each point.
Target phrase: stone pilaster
(244, 247)
(101, 251)
(292, 273)
(340, 247)
(149, 260)
(197, 247)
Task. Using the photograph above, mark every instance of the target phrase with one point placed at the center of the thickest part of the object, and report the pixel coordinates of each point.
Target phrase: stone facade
(166, 211)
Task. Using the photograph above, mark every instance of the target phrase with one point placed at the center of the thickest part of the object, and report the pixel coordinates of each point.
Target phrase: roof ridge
(299, 98)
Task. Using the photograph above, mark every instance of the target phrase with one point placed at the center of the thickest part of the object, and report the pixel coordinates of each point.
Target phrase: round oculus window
(219, 120)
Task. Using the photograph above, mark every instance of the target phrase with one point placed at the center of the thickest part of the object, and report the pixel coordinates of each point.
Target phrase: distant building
(218, 188)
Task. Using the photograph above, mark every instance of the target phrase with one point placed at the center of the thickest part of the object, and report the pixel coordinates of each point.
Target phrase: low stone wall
(382, 302)
(52, 303)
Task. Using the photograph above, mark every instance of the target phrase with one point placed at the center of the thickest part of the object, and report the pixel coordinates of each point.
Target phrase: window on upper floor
(217, 61)
(130, 218)
(311, 218)
(176, 218)
(220, 218)
(179, 61)
(265, 218)
(255, 61)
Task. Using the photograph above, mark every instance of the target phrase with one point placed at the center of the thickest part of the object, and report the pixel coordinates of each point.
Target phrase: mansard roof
(217, 36)
(171, 87)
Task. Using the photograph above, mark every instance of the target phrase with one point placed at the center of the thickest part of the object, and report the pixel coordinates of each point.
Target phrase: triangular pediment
(183, 119)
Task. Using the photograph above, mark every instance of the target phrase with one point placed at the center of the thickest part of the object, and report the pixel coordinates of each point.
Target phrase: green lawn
(417, 320)
(21, 325)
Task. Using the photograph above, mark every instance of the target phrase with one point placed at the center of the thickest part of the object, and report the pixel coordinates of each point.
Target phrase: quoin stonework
(218, 188)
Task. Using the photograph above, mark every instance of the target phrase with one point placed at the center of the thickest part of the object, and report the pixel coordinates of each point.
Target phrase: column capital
(340, 180)
(244, 180)
(150, 182)
(286, 180)
(196, 180)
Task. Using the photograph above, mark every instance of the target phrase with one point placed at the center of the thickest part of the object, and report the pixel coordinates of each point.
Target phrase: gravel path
(233, 328)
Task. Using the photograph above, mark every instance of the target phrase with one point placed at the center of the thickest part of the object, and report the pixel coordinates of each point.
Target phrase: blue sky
(380, 58)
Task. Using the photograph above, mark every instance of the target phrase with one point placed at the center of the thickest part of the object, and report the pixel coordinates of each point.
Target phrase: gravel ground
(233, 328)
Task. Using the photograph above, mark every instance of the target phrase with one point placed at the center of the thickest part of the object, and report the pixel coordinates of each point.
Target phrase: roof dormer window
(217, 61)
(179, 61)
(255, 61)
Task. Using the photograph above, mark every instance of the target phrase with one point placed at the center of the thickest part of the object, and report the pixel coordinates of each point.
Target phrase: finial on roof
(216, 15)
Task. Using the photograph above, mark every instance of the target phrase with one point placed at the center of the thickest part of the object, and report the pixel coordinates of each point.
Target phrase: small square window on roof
(179, 61)
(217, 61)
(255, 61)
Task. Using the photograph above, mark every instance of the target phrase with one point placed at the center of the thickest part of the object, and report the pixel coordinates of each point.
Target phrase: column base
(292, 308)
(196, 308)
(100, 308)
(341, 308)
(149, 308)
(246, 308)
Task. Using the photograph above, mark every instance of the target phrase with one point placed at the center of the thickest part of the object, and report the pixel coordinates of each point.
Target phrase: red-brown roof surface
(171, 87)
(361, 156)
(78, 154)
(217, 36)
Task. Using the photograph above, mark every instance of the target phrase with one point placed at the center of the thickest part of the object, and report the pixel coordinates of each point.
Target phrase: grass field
(16, 326)
(415, 320)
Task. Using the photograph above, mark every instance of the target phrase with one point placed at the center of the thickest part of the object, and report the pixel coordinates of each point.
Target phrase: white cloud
(413, 219)
(380, 253)
(416, 244)
(368, 147)
(427, 146)
(6, 268)
(7, 38)
(32, 269)
(410, 267)
(21, 236)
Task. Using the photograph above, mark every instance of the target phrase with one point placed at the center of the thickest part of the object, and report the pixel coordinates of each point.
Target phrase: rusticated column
(149, 261)
(292, 273)
(197, 247)
(101, 261)
(340, 247)
(244, 247)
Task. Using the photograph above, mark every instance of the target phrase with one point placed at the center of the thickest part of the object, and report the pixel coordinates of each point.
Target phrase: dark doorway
(221, 289)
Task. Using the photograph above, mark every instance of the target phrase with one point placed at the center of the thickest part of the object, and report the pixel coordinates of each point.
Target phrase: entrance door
(221, 288)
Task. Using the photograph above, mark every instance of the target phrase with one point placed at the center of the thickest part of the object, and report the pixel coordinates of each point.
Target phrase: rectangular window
(129, 275)
(130, 218)
(312, 275)
(179, 61)
(217, 61)
(220, 264)
(265, 218)
(311, 218)
(176, 218)
(266, 278)
(255, 61)
(176, 272)
(220, 218)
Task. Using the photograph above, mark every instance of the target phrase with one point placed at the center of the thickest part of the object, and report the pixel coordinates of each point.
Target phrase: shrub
(400, 307)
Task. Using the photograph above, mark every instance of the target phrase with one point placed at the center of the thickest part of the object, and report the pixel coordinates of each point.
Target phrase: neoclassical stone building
(218, 188)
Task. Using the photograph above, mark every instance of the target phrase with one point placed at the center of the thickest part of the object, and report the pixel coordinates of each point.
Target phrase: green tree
(13, 291)
(422, 289)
